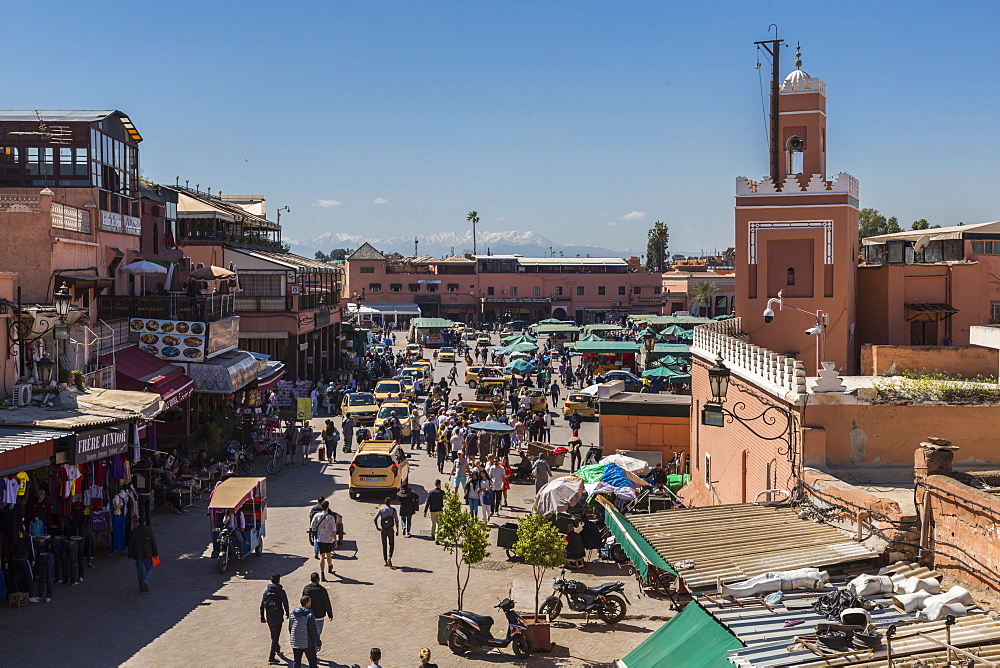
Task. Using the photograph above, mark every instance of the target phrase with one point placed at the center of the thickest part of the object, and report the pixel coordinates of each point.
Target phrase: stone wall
(964, 361)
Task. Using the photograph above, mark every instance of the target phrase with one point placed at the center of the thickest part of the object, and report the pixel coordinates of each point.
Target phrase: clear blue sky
(561, 117)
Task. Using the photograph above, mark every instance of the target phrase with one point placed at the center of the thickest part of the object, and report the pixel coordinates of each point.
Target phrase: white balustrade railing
(756, 363)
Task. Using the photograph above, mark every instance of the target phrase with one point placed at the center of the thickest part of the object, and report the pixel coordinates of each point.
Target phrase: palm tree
(473, 218)
(702, 294)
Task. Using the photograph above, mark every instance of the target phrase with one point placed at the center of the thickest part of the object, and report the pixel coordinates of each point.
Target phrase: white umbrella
(212, 273)
(145, 268)
(628, 463)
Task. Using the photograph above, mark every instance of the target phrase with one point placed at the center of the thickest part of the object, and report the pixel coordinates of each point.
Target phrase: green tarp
(608, 347)
(692, 638)
(638, 549)
(555, 329)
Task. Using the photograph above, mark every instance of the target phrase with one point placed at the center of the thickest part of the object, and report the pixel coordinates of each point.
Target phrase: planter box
(540, 637)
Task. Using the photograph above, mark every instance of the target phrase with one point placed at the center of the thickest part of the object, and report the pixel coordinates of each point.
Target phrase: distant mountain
(445, 244)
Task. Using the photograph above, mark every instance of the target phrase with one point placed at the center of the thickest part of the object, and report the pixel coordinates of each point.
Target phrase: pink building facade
(499, 288)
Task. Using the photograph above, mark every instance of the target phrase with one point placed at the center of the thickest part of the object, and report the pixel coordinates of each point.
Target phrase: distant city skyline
(582, 122)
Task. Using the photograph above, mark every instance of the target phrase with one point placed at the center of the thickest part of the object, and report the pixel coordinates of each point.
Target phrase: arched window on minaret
(790, 278)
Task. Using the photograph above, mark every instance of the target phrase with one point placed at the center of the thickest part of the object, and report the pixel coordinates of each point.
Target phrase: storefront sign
(172, 340)
(132, 225)
(322, 319)
(223, 335)
(111, 222)
(427, 280)
(96, 444)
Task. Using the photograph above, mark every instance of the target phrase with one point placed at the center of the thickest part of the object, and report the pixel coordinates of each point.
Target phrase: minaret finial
(798, 55)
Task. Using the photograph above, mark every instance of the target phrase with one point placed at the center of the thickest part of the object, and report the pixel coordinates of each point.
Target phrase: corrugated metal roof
(16, 437)
(736, 542)
(290, 260)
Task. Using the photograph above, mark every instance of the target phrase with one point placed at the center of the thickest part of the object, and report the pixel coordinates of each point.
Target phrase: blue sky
(562, 117)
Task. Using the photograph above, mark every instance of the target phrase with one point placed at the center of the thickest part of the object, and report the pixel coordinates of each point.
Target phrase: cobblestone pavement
(195, 616)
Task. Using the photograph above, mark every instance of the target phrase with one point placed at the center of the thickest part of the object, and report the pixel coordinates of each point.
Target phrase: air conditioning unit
(22, 395)
(616, 303)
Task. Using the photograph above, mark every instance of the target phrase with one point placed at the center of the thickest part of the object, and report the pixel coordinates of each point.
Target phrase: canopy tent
(524, 347)
(673, 360)
(601, 327)
(672, 349)
(639, 550)
(674, 330)
(606, 347)
(693, 634)
(591, 337)
(517, 338)
(675, 319)
(609, 478)
(658, 372)
(686, 336)
(724, 316)
(394, 309)
(431, 323)
(520, 366)
(558, 495)
(492, 426)
(556, 329)
(551, 321)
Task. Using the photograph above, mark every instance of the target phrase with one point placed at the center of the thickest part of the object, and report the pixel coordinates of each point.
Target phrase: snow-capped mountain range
(444, 244)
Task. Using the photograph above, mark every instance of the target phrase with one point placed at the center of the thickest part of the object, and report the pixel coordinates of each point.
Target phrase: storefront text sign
(96, 444)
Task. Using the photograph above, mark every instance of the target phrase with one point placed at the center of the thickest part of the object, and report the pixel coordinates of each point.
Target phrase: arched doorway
(559, 313)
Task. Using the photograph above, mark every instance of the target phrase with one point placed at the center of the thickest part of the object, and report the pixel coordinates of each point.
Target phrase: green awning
(607, 347)
(555, 329)
(672, 349)
(431, 323)
(692, 638)
(602, 328)
(638, 549)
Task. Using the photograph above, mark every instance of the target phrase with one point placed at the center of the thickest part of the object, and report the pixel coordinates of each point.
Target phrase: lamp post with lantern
(649, 345)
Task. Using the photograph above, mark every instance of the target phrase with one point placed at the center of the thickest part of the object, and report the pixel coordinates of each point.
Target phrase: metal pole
(773, 47)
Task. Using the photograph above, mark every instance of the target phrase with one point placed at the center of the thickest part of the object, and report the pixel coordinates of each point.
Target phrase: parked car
(632, 382)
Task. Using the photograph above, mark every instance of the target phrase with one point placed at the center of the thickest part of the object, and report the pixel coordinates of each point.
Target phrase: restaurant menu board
(173, 340)
(293, 400)
(223, 335)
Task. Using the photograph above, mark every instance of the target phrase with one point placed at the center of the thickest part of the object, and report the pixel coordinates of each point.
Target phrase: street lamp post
(649, 344)
(62, 300)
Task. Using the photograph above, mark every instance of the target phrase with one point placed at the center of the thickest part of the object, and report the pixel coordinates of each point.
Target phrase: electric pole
(773, 48)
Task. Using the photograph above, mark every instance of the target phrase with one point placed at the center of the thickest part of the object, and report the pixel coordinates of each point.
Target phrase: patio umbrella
(212, 273)
(520, 366)
(517, 356)
(525, 347)
(550, 321)
(674, 330)
(492, 426)
(558, 495)
(145, 268)
(658, 372)
(628, 463)
(688, 335)
(517, 338)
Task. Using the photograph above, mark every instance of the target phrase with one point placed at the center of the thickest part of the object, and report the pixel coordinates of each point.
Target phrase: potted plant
(541, 545)
(466, 538)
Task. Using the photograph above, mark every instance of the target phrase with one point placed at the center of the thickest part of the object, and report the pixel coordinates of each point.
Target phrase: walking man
(409, 504)
(460, 471)
(547, 427)
(554, 393)
(348, 426)
(273, 610)
(387, 523)
(575, 444)
(325, 526)
(142, 548)
(321, 607)
(430, 433)
(435, 504)
(291, 443)
(303, 634)
(496, 474)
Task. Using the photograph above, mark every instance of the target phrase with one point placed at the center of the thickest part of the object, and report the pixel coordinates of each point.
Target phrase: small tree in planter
(463, 536)
(541, 545)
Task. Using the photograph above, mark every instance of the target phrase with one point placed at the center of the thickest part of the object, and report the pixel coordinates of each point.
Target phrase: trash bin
(443, 622)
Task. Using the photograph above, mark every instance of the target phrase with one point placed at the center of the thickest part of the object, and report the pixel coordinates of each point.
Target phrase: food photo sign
(173, 340)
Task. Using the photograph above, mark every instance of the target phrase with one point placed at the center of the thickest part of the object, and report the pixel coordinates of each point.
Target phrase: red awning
(268, 381)
(136, 370)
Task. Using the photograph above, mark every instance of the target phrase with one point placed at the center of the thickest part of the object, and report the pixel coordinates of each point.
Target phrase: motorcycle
(469, 631)
(602, 600)
(613, 551)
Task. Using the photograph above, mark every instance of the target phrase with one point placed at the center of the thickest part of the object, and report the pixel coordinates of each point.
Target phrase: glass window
(374, 287)
(637, 290)
(367, 270)
(414, 287)
(559, 291)
(536, 291)
(489, 291)
(453, 287)
(513, 292)
(431, 287)
(621, 290)
(395, 287)
(600, 290)
(579, 290)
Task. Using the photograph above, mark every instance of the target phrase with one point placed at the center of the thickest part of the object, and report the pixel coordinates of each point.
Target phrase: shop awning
(137, 370)
(23, 448)
(270, 376)
(225, 374)
(639, 550)
(941, 311)
(692, 638)
(393, 308)
(606, 347)
(555, 329)
(86, 280)
(72, 409)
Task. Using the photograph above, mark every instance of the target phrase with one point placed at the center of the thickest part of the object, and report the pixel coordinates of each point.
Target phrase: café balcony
(208, 308)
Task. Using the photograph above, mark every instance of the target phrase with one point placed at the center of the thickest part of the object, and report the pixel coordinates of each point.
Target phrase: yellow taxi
(414, 349)
(446, 354)
(476, 371)
(582, 404)
(402, 411)
(388, 388)
(538, 402)
(378, 466)
(427, 367)
(361, 406)
(483, 340)
(471, 334)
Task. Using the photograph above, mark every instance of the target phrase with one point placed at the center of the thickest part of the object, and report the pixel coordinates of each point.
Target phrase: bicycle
(275, 458)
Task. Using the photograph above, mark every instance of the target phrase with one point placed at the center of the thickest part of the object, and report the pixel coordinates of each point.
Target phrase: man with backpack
(273, 610)
(387, 523)
(321, 606)
(303, 634)
(409, 503)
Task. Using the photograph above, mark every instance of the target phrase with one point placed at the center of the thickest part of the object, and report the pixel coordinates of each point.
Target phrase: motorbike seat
(484, 622)
(602, 589)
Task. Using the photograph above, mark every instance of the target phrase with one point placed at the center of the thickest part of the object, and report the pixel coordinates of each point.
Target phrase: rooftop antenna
(415, 242)
(773, 48)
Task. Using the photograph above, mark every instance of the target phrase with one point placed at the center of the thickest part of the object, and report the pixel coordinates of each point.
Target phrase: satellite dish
(922, 244)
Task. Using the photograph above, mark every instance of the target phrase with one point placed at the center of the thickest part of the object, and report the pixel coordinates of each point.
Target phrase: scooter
(612, 551)
(602, 600)
(469, 631)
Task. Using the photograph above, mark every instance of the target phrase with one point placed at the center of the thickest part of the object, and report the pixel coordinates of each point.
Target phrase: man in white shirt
(547, 427)
(496, 473)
